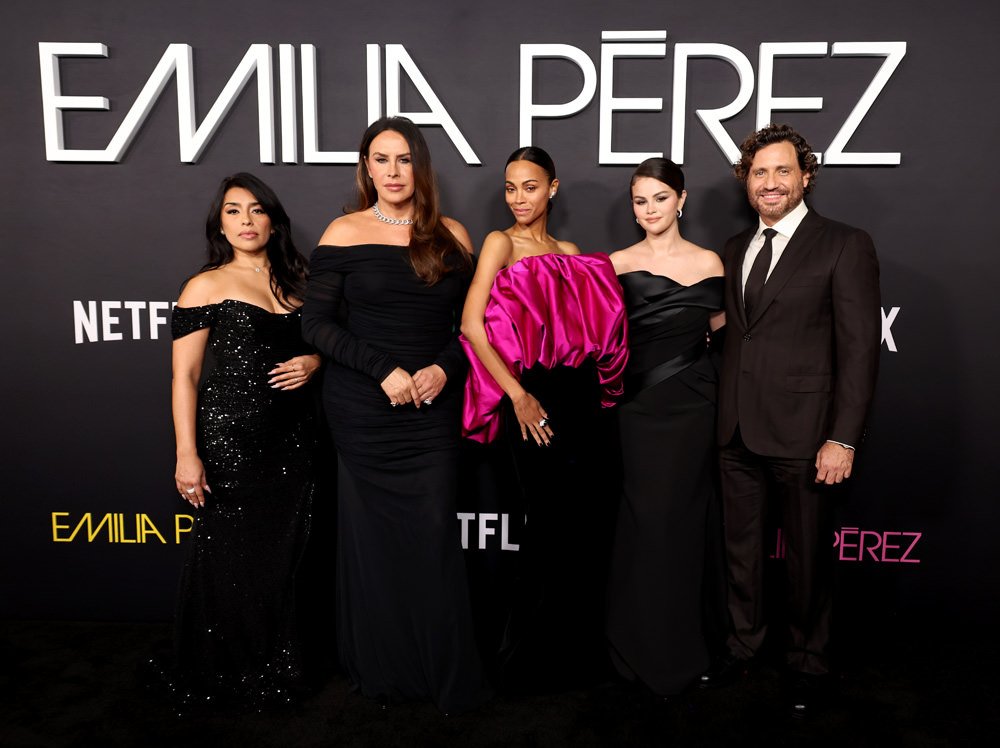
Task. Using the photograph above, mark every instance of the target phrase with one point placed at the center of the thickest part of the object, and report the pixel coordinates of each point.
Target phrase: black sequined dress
(235, 635)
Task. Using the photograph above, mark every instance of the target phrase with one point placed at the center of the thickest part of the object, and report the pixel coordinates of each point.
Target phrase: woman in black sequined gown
(245, 443)
(385, 294)
(673, 292)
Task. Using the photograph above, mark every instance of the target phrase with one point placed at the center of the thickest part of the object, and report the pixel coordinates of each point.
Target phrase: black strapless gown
(236, 639)
(656, 604)
(405, 626)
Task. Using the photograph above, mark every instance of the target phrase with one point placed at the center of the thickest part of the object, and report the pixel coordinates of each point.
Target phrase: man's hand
(833, 463)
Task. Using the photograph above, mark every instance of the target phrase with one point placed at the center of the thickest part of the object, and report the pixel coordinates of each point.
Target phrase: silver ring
(394, 404)
(190, 490)
(428, 401)
(543, 423)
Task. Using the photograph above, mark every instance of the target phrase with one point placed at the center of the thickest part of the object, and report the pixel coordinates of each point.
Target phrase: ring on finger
(543, 423)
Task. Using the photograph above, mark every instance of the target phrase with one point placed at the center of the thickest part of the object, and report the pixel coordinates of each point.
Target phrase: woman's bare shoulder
(625, 260)
(459, 232)
(345, 230)
(708, 260)
(207, 287)
(567, 248)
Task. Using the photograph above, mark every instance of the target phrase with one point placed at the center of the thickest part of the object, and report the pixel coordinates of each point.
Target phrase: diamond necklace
(392, 221)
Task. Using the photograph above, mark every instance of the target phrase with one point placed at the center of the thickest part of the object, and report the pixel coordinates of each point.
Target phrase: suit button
(746, 337)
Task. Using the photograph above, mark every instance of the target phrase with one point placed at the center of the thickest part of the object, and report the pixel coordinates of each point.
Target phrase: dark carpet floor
(75, 684)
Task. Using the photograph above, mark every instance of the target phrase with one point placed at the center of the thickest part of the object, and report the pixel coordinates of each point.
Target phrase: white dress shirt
(785, 228)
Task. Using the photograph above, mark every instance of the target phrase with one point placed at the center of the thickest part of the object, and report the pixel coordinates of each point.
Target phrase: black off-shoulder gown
(404, 620)
(236, 638)
(656, 616)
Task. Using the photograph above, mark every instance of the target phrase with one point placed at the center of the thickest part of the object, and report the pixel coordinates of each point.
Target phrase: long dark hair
(539, 157)
(433, 248)
(288, 267)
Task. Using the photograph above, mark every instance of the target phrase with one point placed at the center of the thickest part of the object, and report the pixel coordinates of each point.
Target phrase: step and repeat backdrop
(120, 118)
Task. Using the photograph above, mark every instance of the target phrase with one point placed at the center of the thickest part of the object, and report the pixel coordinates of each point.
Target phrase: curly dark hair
(434, 250)
(288, 267)
(770, 135)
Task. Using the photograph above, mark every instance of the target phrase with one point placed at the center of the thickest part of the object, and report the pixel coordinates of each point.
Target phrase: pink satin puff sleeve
(550, 310)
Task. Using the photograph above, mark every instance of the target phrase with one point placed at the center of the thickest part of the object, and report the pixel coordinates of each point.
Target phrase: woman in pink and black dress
(544, 328)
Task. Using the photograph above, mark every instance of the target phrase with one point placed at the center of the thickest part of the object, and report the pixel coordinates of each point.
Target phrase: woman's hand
(400, 388)
(532, 418)
(294, 372)
(189, 477)
(429, 381)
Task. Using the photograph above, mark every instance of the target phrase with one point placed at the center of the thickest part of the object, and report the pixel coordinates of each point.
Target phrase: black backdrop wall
(102, 220)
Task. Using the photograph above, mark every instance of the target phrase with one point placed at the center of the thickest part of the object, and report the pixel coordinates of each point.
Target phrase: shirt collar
(787, 225)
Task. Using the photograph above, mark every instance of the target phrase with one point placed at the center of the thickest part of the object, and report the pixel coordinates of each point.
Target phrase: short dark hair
(770, 135)
(661, 169)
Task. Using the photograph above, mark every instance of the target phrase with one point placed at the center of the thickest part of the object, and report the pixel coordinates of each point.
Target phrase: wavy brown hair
(434, 250)
(770, 135)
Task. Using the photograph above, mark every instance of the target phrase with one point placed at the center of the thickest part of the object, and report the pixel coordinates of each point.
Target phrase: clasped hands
(420, 389)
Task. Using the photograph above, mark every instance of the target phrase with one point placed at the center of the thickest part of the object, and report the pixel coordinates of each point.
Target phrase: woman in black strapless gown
(245, 453)
(386, 287)
(673, 292)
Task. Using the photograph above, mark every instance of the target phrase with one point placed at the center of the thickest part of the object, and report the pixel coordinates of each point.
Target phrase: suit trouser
(749, 482)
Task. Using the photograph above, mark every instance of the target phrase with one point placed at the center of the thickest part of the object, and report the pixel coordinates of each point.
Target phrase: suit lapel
(742, 242)
(800, 245)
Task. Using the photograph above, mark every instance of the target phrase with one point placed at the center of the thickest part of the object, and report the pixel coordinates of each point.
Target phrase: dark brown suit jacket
(803, 369)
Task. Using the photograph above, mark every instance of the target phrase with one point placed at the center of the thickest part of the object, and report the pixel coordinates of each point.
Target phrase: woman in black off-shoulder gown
(393, 393)
(245, 444)
(673, 293)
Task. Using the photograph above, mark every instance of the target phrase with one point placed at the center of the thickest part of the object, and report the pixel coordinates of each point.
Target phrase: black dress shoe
(726, 668)
(806, 695)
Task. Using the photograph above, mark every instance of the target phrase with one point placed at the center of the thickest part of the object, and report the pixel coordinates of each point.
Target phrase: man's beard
(778, 210)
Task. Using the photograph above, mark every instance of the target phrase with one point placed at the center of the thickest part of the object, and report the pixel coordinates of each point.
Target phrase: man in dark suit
(798, 373)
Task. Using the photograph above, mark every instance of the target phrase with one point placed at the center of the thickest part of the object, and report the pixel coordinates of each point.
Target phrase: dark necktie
(758, 273)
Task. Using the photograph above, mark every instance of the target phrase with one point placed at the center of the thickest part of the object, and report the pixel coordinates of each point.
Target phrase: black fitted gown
(404, 620)
(656, 616)
(236, 638)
